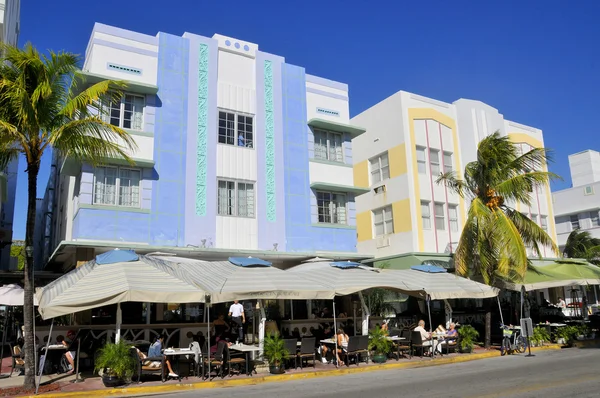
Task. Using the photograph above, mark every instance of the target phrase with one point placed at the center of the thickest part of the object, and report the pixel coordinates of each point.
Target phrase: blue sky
(536, 61)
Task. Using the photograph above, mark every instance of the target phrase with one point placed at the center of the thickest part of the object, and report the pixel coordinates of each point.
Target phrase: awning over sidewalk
(542, 275)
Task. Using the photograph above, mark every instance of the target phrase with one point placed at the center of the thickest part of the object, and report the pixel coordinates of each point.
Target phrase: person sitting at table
(561, 303)
(342, 342)
(155, 351)
(425, 335)
(385, 326)
(324, 349)
(69, 355)
(213, 349)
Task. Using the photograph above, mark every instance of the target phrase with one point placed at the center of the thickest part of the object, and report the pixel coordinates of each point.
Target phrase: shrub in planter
(275, 352)
(567, 334)
(115, 364)
(379, 344)
(540, 335)
(467, 335)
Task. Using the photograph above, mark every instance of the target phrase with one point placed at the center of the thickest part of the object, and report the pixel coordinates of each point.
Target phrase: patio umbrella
(542, 277)
(579, 271)
(13, 296)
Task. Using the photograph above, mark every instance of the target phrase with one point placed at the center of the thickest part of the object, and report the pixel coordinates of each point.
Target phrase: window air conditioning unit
(383, 241)
(379, 189)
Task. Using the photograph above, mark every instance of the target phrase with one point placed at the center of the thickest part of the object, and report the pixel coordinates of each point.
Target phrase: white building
(410, 139)
(578, 207)
(10, 19)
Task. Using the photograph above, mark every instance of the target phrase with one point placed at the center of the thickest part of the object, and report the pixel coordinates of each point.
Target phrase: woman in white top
(342, 342)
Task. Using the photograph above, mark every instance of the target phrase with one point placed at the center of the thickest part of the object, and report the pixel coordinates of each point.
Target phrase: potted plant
(379, 344)
(275, 352)
(115, 364)
(467, 335)
(565, 335)
(540, 335)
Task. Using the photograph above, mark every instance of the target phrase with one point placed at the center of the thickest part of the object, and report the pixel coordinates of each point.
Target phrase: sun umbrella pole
(429, 312)
(335, 333)
(119, 322)
(41, 369)
(500, 309)
(365, 317)
(207, 302)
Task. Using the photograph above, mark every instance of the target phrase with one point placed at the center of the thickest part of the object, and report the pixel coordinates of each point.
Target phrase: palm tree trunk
(28, 314)
(488, 323)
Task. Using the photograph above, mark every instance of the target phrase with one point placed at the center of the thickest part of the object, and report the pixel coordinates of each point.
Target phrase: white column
(365, 315)
(261, 329)
(119, 322)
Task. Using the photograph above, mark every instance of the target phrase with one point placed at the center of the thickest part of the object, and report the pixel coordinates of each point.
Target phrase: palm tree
(43, 105)
(581, 244)
(495, 237)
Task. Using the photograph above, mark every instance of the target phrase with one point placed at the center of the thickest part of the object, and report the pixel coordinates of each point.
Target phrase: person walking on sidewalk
(236, 312)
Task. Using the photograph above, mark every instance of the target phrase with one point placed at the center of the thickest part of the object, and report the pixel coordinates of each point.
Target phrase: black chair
(356, 347)
(404, 346)
(18, 361)
(451, 344)
(217, 360)
(307, 349)
(416, 341)
(291, 346)
(235, 360)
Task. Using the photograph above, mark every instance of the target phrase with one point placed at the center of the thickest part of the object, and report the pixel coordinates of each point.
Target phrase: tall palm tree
(495, 236)
(44, 105)
(581, 244)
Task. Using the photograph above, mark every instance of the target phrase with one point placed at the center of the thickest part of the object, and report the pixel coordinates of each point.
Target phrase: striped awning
(149, 279)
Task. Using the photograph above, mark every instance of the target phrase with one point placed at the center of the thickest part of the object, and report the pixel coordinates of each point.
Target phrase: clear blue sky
(536, 61)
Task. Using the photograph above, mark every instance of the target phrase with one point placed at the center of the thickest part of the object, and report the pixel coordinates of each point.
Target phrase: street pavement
(548, 374)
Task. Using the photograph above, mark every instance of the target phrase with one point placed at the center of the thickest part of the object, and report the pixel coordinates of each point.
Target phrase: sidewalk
(92, 385)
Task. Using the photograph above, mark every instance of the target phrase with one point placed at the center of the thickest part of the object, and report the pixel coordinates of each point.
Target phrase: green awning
(589, 273)
(133, 86)
(544, 277)
(354, 131)
(405, 262)
(338, 188)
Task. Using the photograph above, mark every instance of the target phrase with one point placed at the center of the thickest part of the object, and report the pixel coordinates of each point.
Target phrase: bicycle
(518, 343)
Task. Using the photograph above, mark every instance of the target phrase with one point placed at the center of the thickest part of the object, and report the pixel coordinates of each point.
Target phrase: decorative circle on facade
(227, 43)
(237, 45)
(246, 48)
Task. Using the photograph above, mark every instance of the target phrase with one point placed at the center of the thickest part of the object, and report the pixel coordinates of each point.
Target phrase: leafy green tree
(581, 244)
(18, 251)
(495, 237)
(44, 104)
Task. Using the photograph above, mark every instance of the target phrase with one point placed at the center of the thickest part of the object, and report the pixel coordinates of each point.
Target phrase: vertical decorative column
(201, 148)
(270, 142)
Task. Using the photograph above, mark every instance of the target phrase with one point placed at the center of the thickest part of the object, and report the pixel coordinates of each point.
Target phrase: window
(426, 215)
(589, 190)
(117, 186)
(383, 221)
(440, 219)
(544, 223)
(235, 198)
(328, 146)
(594, 218)
(447, 162)
(574, 222)
(534, 218)
(421, 160)
(453, 217)
(236, 129)
(126, 112)
(380, 168)
(331, 207)
(434, 161)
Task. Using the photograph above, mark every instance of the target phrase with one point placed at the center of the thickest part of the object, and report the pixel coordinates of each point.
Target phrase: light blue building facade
(237, 152)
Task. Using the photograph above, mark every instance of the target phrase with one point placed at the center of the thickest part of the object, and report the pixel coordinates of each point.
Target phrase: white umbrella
(13, 296)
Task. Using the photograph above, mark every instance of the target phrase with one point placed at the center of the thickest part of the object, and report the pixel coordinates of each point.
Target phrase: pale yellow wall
(397, 159)
(361, 174)
(364, 229)
(402, 216)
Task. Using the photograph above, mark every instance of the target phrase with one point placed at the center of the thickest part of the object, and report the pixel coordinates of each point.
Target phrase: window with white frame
(534, 218)
(331, 207)
(434, 161)
(329, 145)
(383, 221)
(117, 186)
(594, 218)
(447, 162)
(440, 217)
(236, 129)
(421, 160)
(453, 217)
(426, 214)
(544, 223)
(589, 190)
(574, 222)
(126, 112)
(235, 198)
(380, 168)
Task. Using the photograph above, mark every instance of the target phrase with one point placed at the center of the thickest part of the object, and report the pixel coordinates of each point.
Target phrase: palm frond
(453, 183)
(520, 186)
(531, 233)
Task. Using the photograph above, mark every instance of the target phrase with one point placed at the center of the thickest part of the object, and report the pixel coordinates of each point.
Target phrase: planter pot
(467, 350)
(112, 381)
(560, 340)
(379, 358)
(276, 369)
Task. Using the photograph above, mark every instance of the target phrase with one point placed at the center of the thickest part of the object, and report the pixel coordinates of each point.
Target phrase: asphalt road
(549, 374)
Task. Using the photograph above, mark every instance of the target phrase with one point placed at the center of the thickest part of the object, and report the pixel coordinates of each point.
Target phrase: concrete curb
(181, 387)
